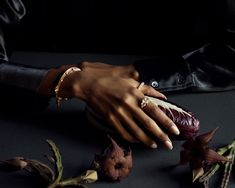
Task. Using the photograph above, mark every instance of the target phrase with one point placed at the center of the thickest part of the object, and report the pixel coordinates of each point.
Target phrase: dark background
(110, 26)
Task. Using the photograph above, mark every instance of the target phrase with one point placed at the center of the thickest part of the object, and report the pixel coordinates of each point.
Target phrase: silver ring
(140, 86)
(144, 102)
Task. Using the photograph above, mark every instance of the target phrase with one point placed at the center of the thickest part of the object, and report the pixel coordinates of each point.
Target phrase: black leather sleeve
(11, 11)
(213, 65)
(18, 86)
(166, 74)
(208, 68)
(21, 76)
(18, 83)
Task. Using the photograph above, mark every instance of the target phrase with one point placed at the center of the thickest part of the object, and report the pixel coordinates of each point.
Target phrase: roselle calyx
(114, 163)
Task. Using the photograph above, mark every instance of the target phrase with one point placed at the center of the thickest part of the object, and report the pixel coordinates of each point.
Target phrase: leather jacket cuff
(166, 74)
(207, 69)
(21, 76)
(212, 68)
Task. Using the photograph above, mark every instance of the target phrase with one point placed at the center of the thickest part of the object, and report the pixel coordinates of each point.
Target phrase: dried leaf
(16, 163)
(31, 166)
(197, 173)
(89, 176)
(42, 169)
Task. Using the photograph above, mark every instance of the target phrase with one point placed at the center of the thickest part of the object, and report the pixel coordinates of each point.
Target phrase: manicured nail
(154, 146)
(168, 145)
(174, 130)
(164, 96)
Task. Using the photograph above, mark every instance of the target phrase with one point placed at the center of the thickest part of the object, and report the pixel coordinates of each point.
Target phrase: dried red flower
(197, 153)
(115, 163)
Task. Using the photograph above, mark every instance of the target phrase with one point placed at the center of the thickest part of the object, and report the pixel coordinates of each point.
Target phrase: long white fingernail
(175, 130)
(154, 146)
(168, 144)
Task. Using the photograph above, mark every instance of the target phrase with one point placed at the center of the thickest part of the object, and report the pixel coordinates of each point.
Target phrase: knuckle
(136, 74)
(132, 91)
(127, 98)
(118, 109)
(84, 64)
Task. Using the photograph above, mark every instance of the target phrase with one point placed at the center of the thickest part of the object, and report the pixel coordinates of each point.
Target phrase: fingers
(149, 91)
(135, 129)
(151, 126)
(161, 117)
(120, 129)
(142, 117)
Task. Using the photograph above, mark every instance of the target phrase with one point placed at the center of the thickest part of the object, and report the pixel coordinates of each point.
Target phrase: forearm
(26, 86)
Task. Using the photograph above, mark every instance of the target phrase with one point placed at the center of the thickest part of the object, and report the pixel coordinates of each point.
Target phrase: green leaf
(58, 163)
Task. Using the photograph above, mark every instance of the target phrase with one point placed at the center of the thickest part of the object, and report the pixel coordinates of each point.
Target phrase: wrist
(71, 86)
(48, 83)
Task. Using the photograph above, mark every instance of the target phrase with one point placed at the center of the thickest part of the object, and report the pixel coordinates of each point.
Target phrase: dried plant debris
(114, 163)
(52, 176)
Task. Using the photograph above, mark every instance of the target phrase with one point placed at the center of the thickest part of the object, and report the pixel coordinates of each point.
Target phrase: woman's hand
(113, 93)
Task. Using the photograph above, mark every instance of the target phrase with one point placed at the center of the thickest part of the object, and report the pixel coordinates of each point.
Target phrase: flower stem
(215, 167)
(228, 168)
(71, 182)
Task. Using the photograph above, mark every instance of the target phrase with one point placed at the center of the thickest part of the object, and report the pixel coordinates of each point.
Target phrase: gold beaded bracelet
(57, 88)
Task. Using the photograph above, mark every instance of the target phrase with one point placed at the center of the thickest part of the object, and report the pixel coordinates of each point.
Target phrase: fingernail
(168, 145)
(154, 146)
(175, 130)
(164, 96)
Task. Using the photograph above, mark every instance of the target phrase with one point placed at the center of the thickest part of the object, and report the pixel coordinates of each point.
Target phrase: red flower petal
(205, 138)
(212, 156)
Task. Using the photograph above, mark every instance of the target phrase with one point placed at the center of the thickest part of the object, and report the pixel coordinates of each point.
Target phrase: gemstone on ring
(144, 102)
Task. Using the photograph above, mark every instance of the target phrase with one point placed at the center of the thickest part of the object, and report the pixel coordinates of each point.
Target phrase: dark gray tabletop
(25, 135)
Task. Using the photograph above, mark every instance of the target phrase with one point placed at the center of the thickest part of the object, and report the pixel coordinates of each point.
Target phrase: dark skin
(112, 91)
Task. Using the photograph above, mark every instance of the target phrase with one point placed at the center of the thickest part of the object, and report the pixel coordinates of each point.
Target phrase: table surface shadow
(25, 135)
